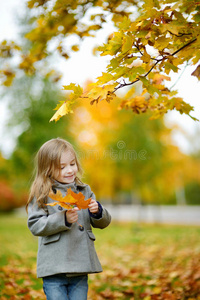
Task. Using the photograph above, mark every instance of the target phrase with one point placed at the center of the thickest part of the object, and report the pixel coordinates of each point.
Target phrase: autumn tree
(152, 39)
(125, 157)
(30, 102)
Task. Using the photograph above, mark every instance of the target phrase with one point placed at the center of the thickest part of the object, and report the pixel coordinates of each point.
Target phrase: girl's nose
(69, 169)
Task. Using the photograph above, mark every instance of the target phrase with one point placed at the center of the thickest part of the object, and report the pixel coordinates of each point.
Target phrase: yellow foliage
(107, 150)
(62, 111)
(170, 29)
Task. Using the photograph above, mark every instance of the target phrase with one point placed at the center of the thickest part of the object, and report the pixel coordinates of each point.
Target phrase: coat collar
(64, 186)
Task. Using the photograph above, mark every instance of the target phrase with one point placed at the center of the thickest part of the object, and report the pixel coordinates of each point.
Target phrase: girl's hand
(93, 206)
(72, 215)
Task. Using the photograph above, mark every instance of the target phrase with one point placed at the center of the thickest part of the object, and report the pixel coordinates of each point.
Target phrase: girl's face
(68, 168)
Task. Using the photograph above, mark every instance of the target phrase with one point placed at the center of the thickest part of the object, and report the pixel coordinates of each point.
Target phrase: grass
(139, 261)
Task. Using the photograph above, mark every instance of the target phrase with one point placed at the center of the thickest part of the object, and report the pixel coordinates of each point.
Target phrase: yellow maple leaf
(62, 111)
(69, 200)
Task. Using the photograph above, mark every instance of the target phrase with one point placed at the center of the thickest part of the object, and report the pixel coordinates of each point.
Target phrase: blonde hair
(47, 164)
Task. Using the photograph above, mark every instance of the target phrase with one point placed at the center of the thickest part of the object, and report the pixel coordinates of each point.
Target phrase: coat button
(60, 208)
(81, 228)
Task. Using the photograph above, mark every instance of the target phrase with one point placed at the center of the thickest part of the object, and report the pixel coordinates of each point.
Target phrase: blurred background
(127, 159)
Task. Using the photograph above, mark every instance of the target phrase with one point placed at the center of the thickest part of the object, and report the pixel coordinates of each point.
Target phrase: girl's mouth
(70, 176)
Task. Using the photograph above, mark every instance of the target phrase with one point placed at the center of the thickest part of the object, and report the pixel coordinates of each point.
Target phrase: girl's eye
(72, 164)
(62, 168)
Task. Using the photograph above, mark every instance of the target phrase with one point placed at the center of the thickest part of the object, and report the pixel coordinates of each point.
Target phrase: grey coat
(66, 249)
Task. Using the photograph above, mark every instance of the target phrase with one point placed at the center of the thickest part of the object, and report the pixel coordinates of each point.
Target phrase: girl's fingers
(93, 206)
(72, 215)
(74, 219)
(75, 209)
(92, 201)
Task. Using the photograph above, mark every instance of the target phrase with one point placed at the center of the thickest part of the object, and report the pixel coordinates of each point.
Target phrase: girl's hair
(47, 164)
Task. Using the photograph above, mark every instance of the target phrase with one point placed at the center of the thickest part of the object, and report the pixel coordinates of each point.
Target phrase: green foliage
(31, 111)
(143, 162)
(35, 97)
(192, 191)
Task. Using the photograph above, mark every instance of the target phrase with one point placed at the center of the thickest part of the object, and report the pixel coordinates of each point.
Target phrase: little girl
(66, 253)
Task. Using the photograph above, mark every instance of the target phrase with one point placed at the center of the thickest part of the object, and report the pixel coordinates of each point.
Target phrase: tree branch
(186, 45)
(179, 35)
(157, 61)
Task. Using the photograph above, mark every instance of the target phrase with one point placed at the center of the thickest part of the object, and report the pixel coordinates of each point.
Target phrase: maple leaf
(69, 200)
(62, 109)
(65, 107)
(196, 72)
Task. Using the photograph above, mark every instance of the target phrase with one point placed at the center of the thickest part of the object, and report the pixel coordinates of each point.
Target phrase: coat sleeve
(102, 222)
(42, 224)
(105, 218)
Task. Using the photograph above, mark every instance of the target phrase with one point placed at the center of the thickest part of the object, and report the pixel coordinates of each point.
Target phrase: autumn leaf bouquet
(69, 201)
